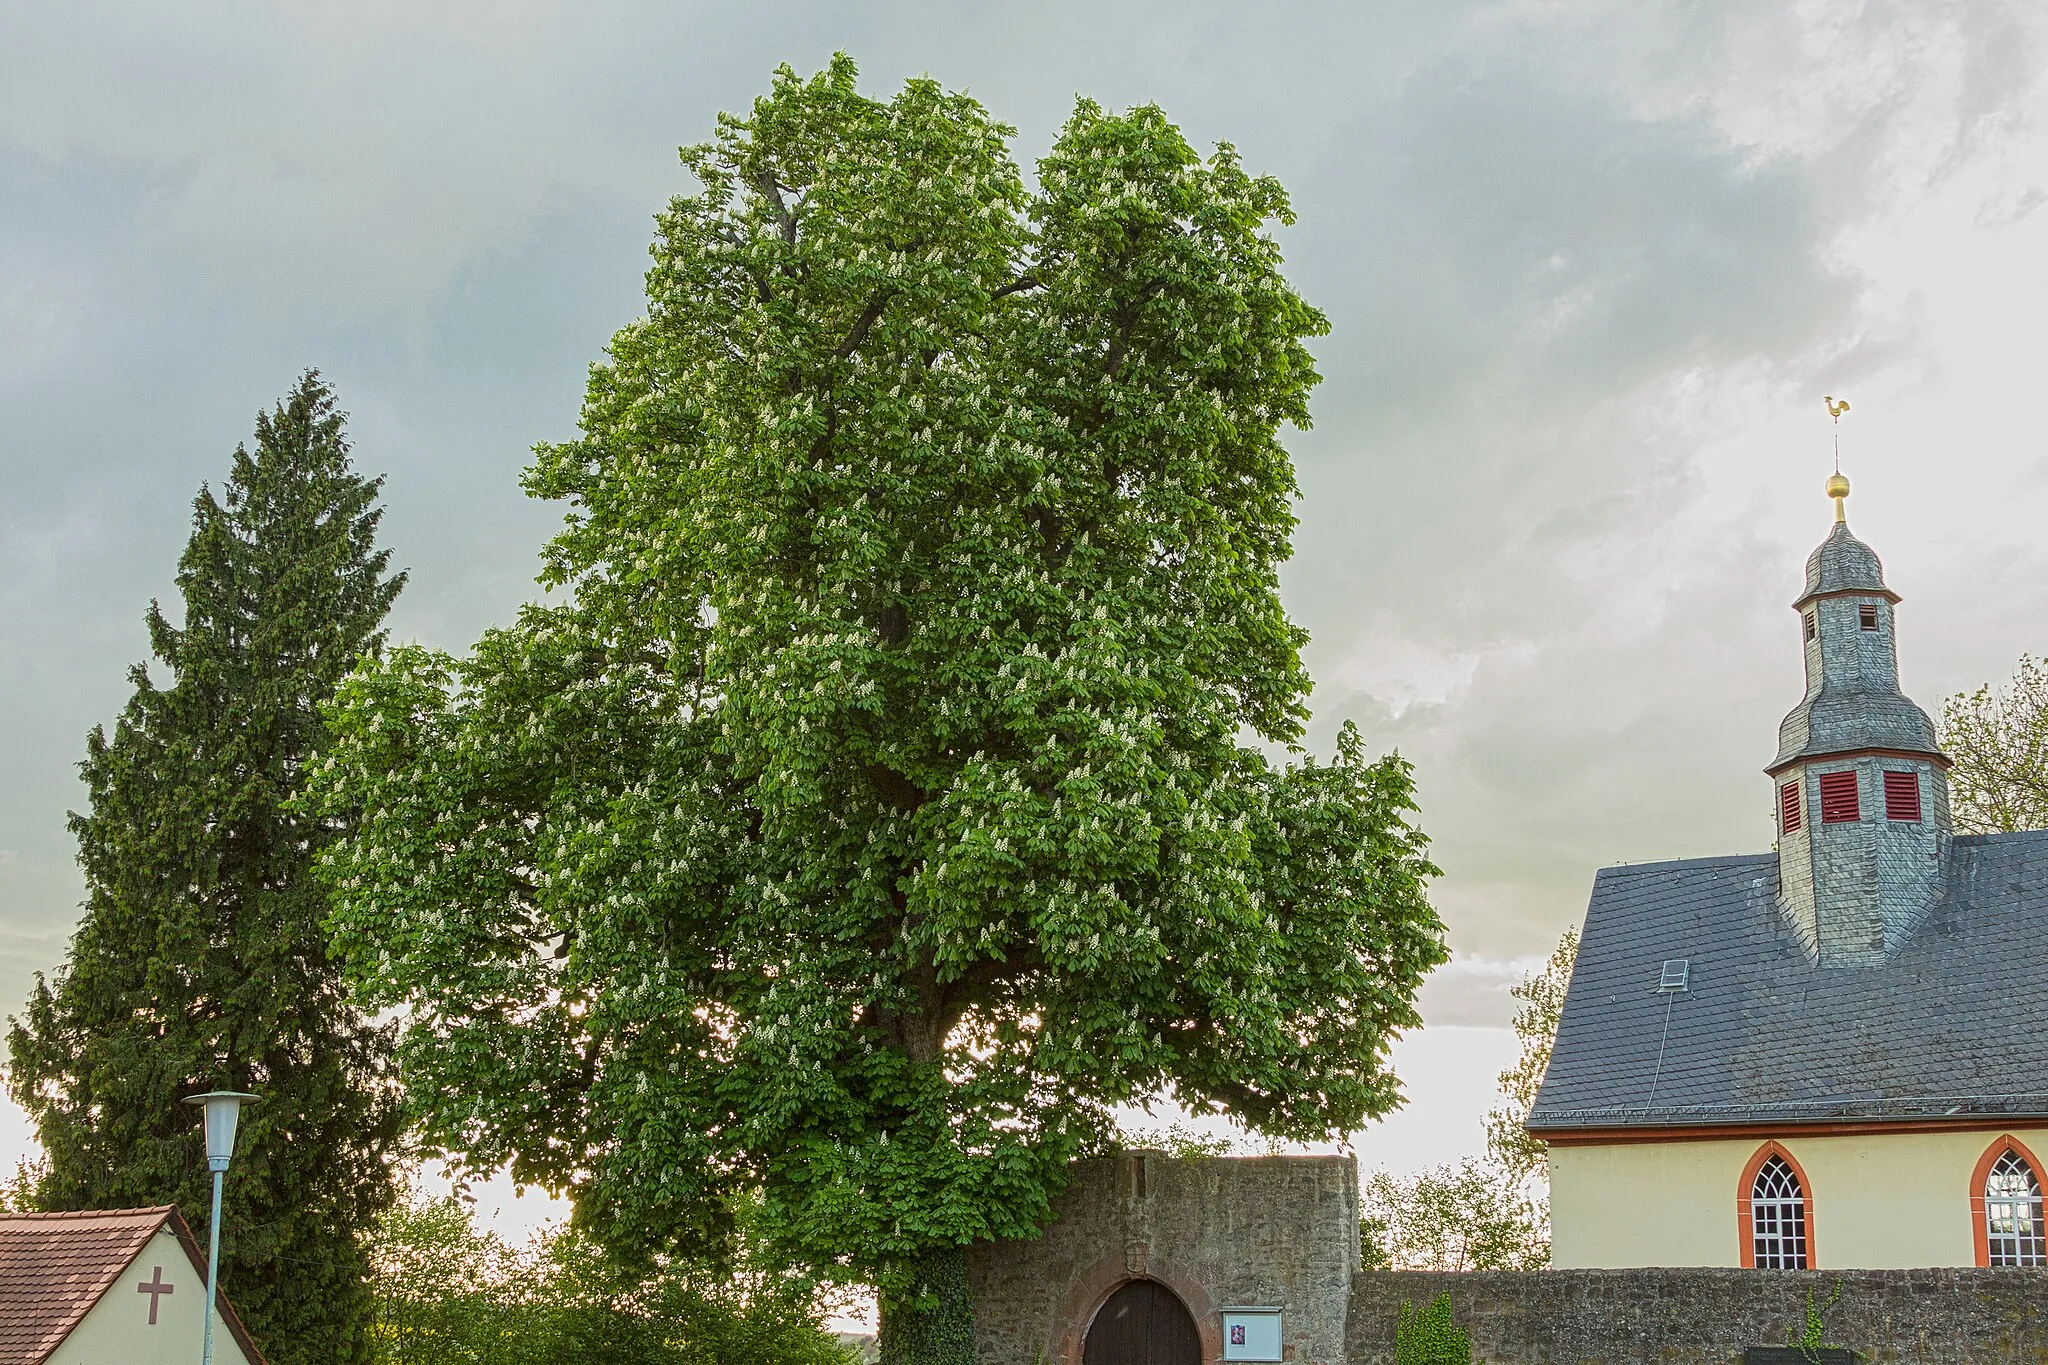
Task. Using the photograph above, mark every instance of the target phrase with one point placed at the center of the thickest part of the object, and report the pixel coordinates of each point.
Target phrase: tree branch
(1127, 324)
(864, 324)
(893, 787)
(771, 190)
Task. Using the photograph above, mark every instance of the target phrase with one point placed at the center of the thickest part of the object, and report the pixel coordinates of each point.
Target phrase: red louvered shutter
(1838, 799)
(1788, 808)
(1902, 797)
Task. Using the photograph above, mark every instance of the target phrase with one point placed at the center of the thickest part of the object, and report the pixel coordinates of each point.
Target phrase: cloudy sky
(1590, 265)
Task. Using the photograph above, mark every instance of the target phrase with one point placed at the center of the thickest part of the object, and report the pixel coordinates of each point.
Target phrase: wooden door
(1143, 1323)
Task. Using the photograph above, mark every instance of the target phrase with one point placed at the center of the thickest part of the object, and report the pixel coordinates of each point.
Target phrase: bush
(1474, 1216)
(449, 1295)
(1429, 1337)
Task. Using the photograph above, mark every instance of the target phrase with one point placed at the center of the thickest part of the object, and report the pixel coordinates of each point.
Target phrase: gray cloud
(1519, 277)
(1513, 269)
(1558, 242)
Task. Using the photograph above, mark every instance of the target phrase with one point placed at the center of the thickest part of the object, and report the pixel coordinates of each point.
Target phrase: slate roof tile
(1954, 1024)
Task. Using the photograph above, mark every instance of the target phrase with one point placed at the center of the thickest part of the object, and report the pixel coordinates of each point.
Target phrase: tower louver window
(1838, 804)
(1788, 808)
(1902, 797)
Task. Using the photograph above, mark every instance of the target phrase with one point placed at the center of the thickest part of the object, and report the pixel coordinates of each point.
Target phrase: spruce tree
(200, 962)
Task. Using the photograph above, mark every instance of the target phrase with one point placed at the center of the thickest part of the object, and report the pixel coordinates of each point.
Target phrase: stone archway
(1142, 1323)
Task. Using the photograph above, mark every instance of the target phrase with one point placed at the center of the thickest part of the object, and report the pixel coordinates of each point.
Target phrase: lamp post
(223, 1108)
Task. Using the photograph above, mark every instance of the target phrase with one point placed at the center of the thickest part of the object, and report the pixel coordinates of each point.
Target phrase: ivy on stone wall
(1427, 1336)
(1809, 1341)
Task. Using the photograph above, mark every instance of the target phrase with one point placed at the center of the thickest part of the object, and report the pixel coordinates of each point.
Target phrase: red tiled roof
(55, 1266)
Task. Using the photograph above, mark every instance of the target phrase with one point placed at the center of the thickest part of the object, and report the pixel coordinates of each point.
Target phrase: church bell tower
(1861, 797)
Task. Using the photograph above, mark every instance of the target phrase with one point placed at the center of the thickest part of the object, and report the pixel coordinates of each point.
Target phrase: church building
(1832, 1055)
(110, 1287)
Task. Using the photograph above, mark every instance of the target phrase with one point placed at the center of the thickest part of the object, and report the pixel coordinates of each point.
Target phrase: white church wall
(1878, 1201)
(117, 1331)
(1644, 1204)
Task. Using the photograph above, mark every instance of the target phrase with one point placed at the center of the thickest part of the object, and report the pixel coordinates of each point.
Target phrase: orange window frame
(1745, 1227)
(1980, 1236)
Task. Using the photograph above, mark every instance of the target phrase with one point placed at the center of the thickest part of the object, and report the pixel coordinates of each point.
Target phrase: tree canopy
(450, 1294)
(201, 961)
(884, 797)
(1490, 1213)
(1508, 1143)
(1999, 741)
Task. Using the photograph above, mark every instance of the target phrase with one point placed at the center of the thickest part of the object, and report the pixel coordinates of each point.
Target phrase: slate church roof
(1952, 1026)
(1842, 563)
(55, 1266)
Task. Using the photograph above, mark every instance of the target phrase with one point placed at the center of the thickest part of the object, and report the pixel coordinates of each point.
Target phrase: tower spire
(1838, 485)
(1862, 785)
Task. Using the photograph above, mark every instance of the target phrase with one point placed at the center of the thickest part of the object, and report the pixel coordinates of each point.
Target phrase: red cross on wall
(156, 1289)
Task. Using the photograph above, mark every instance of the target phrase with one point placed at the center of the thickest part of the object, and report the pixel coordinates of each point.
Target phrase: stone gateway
(1147, 1239)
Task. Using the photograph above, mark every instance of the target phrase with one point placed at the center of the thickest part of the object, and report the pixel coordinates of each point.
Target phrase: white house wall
(117, 1330)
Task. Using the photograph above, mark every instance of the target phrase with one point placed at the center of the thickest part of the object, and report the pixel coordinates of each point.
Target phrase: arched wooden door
(1144, 1323)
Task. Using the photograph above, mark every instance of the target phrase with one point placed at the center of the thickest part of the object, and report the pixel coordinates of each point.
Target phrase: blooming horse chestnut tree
(883, 797)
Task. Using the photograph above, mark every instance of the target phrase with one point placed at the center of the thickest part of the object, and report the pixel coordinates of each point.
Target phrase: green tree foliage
(1542, 995)
(200, 962)
(17, 1191)
(1178, 1140)
(1490, 1214)
(1428, 1336)
(882, 803)
(1999, 741)
(445, 1292)
(448, 1294)
(1471, 1216)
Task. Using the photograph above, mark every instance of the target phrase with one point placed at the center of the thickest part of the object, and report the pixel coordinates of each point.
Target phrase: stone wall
(1219, 1232)
(1698, 1317)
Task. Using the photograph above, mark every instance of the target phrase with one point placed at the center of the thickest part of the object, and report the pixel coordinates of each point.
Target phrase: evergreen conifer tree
(200, 962)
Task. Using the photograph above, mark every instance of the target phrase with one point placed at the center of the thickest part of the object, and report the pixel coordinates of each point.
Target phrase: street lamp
(223, 1108)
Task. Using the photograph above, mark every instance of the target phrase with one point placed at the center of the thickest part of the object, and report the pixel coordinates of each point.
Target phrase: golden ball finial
(1838, 486)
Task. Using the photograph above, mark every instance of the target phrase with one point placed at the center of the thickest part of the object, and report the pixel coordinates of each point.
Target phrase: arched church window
(1777, 1217)
(2012, 1213)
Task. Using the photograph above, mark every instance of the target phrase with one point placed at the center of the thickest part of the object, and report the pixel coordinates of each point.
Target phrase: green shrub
(1428, 1336)
(448, 1294)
